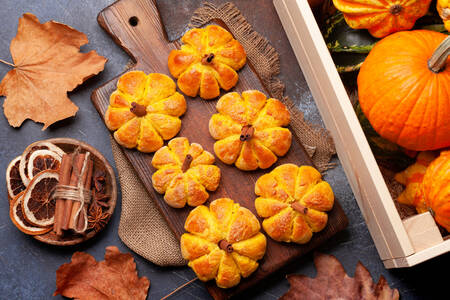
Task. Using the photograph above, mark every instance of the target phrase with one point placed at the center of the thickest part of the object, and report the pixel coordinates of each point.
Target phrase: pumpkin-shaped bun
(293, 200)
(249, 130)
(207, 61)
(223, 242)
(185, 173)
(382, 17)
(144, 110)
(436, 189)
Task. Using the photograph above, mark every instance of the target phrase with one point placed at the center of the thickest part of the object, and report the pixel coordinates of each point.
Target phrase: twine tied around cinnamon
(74, 193)
(78, 193)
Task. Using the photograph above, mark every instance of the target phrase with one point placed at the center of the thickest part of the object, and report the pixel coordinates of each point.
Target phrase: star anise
(100, 199)
(99, 181)
(97, 219)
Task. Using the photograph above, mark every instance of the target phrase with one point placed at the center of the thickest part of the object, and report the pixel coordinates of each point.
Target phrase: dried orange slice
(38, 209)
(41, 160)
(27, 153)
(16, 215)
(14, 182)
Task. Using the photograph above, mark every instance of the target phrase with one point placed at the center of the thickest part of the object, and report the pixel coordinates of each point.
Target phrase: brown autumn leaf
(114, 278)
(47, 64)
(332, 282)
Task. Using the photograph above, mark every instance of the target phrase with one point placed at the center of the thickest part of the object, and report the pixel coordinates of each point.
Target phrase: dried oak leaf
(114, 278)
(332, 282)
(47, 64)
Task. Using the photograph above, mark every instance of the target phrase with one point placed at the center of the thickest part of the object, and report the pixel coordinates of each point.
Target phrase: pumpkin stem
(437, 61)
(207, 59)
(395, 9)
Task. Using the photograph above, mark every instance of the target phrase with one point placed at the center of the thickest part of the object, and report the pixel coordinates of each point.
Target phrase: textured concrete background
(27, 267)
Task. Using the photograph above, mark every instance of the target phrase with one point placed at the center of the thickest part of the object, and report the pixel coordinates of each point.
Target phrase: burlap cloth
(142, 227)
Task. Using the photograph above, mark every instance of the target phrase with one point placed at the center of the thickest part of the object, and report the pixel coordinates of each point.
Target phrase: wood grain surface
(135, 25)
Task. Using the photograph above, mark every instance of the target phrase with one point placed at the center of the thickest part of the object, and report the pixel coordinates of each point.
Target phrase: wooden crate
(400, 243)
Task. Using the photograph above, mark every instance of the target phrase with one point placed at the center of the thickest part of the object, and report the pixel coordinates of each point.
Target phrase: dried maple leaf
(114, 278)
(47, 64)
(332, 282)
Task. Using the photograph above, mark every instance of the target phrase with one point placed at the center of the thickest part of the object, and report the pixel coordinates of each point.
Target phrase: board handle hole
(133, 21)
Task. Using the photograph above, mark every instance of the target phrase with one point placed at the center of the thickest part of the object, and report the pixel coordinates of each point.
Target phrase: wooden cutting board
(135, 25)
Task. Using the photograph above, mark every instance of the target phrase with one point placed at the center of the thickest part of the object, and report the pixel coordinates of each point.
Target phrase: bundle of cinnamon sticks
(76, 171)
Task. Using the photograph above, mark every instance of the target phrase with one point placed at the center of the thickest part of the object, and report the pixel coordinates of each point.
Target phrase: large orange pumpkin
(436, 189)
(382, 17)
(404, 89)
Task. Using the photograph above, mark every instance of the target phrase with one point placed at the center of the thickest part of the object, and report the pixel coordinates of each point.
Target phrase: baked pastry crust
(207, 61)
(293, 200)
(261, 118)
(202, 246)
(184, 182)
(144, 110)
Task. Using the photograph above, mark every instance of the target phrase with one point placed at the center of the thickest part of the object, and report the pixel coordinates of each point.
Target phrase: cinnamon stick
(86, 184)
(138, 109)
(186, 163)
(65, 171)
(80, 222)
(247, 132)
(300, 208)
(81, 219)
(78, 164)
(224, 245)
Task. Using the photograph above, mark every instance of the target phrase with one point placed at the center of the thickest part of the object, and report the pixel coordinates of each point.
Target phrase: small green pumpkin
(349, 47)
(341, 38)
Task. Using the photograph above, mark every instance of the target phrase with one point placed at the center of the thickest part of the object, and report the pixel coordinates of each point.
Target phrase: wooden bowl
(100, 163)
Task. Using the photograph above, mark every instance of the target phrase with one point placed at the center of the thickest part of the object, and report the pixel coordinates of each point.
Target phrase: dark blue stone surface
(27, 267)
